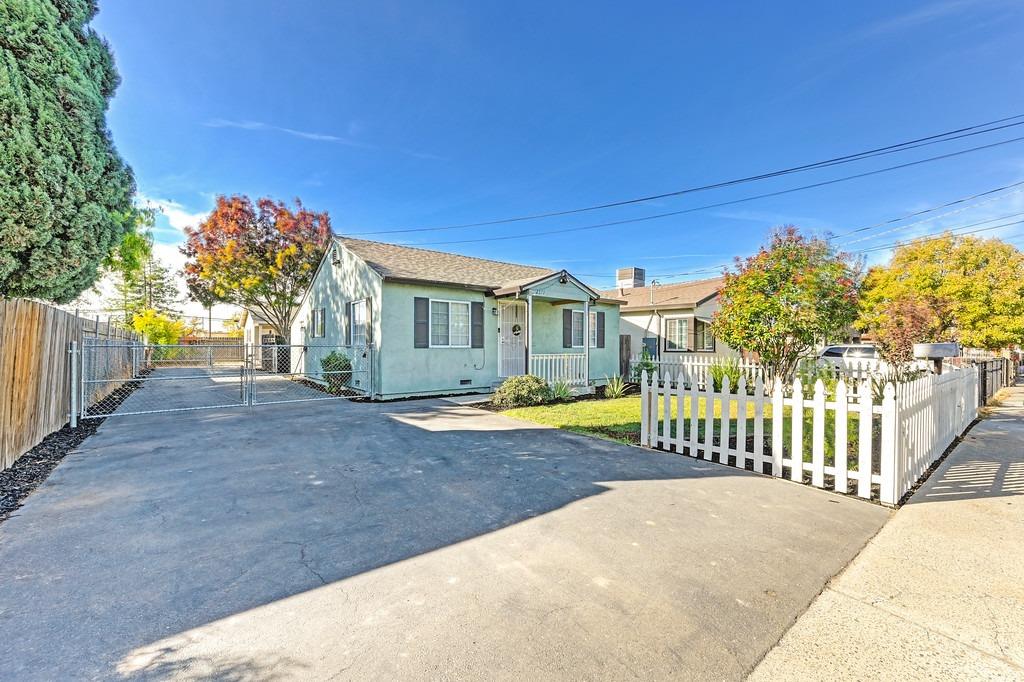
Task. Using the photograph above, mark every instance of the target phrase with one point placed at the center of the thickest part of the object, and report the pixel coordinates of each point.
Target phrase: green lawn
(619, 419)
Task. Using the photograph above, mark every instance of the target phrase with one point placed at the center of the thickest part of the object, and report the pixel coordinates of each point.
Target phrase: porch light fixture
(494, 311)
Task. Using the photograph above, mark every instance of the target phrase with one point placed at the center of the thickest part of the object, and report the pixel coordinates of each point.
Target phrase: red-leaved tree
(259, 257)
(793, 293)
(899, 323)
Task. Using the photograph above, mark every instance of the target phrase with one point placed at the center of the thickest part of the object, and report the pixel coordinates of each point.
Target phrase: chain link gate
(124, 377)
(282, 373)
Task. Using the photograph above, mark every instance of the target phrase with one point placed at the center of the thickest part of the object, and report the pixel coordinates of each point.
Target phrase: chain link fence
(289, 373)
(128, 377)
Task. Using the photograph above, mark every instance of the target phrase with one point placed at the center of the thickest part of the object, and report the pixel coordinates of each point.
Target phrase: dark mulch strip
(30, 470)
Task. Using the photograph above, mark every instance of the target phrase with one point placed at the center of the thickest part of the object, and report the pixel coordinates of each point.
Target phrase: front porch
(549, 329)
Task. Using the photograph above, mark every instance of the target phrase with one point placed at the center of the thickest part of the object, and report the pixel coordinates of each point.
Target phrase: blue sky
(393, 115)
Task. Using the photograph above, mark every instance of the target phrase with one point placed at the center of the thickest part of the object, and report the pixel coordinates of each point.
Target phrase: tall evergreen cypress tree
(64, 191)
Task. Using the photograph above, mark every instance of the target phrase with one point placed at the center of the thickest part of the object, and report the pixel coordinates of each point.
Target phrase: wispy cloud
(177, 215)
(983, 216)
(355, 128)
(907, 21)
(304, 134)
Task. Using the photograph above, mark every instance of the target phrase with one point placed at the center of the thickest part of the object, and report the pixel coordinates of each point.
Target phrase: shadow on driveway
(413, 539)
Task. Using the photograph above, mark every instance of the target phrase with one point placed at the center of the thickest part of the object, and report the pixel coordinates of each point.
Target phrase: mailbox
(936, 352)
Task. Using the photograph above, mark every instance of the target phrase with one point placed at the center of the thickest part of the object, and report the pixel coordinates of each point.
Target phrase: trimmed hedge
(522, 391)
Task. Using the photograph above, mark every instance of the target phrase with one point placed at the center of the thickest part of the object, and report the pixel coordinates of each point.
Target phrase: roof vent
(629, 278)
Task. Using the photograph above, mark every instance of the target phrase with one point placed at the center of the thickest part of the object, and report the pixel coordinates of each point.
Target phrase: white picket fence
(696, 368)
(568, 367)
(856, 444)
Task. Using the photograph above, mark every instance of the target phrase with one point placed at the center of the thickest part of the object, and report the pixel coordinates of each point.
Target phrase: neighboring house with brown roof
(432, 323)
(670, 320)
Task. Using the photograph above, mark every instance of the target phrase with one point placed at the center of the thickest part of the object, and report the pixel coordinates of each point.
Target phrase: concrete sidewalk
(939, 592)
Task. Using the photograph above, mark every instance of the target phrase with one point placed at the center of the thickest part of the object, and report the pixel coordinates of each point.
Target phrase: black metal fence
(993, 375)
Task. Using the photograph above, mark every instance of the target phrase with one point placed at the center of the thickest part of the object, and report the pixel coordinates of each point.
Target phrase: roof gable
(565, 277)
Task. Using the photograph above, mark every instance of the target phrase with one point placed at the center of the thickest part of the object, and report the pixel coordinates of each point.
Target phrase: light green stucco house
(432, 323)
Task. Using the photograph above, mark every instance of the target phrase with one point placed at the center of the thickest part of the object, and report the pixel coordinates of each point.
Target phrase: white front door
(512, 339)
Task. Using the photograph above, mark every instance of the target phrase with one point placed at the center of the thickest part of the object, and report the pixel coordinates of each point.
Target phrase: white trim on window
(577, 329)
(457, 326)
(703, 333)
(357, 339)
(577, 341)
(318, 326)
(685, 347)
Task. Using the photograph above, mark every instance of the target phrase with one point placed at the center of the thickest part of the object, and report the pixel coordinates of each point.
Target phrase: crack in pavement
(304, 561)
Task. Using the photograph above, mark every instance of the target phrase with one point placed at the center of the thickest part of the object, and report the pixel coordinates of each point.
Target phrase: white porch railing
(568, 367)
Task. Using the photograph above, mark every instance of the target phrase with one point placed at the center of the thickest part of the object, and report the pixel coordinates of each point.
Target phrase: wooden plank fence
(35, 370)
(853, 439)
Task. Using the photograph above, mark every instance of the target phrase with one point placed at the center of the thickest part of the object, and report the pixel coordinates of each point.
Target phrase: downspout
(657, 314)
(586, 341)
(529, 332)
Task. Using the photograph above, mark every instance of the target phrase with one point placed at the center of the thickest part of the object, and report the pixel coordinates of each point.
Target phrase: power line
(922, 221)
(929, 210)
(931, 236)
(889, 221)
(918, 240)
(947, 136)
(625, 221)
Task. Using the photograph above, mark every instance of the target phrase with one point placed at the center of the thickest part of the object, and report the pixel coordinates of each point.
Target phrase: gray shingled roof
(393, 261)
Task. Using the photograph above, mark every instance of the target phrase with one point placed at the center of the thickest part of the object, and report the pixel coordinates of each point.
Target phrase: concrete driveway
(417, 540)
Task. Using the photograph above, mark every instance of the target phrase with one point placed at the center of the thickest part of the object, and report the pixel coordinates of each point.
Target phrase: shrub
(615, 387)
(646, 363)
(337, 372)
(561, 390)
(895, 376)
(522, 391)
(159, 329)
(730, 367)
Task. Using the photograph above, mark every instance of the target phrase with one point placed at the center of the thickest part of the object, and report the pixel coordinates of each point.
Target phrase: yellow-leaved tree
(960, 288)
(159, 329)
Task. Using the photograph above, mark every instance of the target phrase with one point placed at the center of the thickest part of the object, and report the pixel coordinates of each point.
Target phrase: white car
(848, 356)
